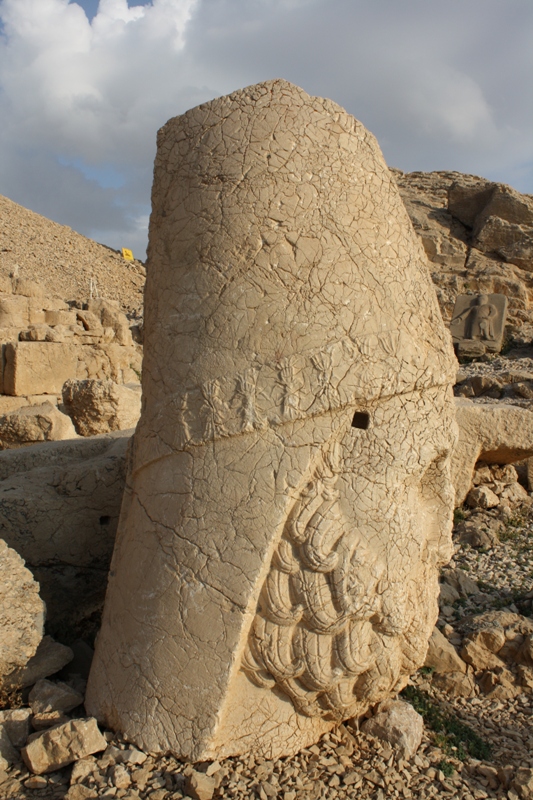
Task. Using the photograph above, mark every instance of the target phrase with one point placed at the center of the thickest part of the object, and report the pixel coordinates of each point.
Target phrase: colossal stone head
(289, 499)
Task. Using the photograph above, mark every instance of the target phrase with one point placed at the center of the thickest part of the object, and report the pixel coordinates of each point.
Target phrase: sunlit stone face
(288, 499)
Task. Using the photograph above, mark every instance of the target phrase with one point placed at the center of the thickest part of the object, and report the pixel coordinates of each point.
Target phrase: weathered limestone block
(14, 311)
(21, 612)
(38, 367)
(33, 424)
(62, 745)
(289, 498)
(101, 406)
(496, 434)
(59, 507)
(114, 361)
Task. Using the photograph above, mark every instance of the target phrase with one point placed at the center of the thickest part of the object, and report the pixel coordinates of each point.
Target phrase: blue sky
(84, 86)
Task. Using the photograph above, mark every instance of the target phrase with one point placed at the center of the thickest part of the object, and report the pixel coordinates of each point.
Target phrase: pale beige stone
(276, 568)
(47, 696)
(397, 723)
(101, 406)
(482, 497)
(14, 311)
(60, 746)
(21, 612)
(38, 367)
(34, 424)
(49, 658)
(495, 434)
(59, 507)
(442, 655)
(16, 722)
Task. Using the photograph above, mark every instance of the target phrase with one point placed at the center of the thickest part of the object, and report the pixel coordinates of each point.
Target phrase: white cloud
(441, 85)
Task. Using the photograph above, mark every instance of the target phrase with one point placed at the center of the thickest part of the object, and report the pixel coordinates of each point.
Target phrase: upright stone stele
(289, 498)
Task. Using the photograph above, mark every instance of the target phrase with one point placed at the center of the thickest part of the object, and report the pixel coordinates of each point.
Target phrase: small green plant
(446, 767)
(458, 515)
(426, 670)
(449, 733)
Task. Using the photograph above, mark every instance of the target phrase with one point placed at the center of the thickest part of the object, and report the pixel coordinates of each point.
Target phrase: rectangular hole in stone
(361, 419)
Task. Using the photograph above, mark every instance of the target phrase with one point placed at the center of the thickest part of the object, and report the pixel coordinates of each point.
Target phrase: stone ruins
(289, 500)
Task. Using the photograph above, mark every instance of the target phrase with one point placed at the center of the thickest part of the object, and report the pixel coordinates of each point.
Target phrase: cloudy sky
(85, 84)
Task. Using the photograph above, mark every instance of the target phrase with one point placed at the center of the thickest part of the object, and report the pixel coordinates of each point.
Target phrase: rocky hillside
(478, 236)
(63, 262)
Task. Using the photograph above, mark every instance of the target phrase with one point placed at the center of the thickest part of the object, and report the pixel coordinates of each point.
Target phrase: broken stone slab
(495, 434)
(22, 612)
(281, 373)
(101, 406)
(34, 424)
(49, 658)
(59, 508)
(455, 684)
(60, 746)
(482, 497)
(48, 719)
(442, 655)
(38, 367)
(460, 581)
(47, 696)
(397, 723)
(200, 786)
(522, 783)
(16, 723)
(8, 754)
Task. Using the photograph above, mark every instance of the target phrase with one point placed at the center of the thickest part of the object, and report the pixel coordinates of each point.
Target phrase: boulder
(292, 444)
(16, 723)
(59, 507)
(21, 612)
(442, 655)
(34, 424)
(494, 434)
(8, 754)
(47, 696)
(200, 786)
(482, 497)
(60, 746)
(522, 783)
(49, 658)
(101, 406)
(397, 723)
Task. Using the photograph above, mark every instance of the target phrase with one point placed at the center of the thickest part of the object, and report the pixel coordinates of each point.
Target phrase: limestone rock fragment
(59, 507)
(16, 722)
(8, 754)
(34, 424)
(289, 497)
(495, 434)
(21, 612)
(397, 723)
(47, 696)
(62, 745)
(442, 655)
(49, 658)
(97, 406)
(38, 367)
(200, 786)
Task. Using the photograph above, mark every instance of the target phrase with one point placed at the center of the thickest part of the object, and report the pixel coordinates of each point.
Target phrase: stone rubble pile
(46, 342)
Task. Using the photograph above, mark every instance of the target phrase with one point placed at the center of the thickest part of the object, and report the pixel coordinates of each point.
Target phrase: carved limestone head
(290, 498)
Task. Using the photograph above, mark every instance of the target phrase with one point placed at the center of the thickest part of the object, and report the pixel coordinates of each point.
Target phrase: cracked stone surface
(289, 498)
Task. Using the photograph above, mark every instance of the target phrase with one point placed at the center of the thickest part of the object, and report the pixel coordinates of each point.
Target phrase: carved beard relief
(313, 633)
